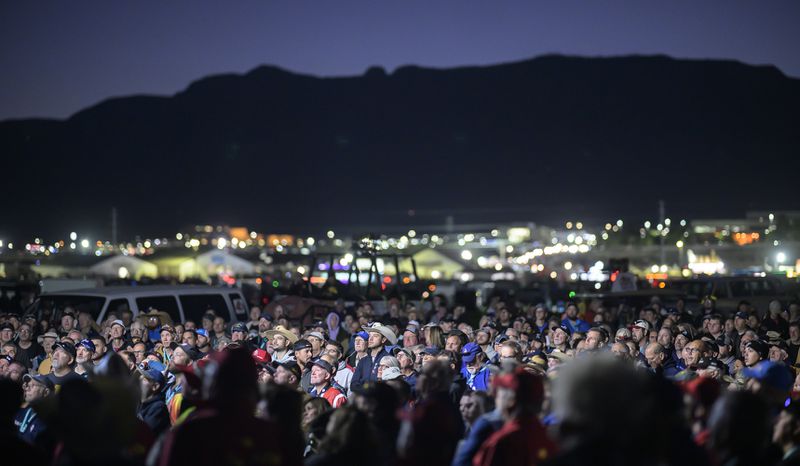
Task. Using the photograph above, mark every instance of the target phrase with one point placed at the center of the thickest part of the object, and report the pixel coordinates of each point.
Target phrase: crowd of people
(427, 385)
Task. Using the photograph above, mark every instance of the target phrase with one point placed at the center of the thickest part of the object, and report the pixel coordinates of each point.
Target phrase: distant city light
(84, 243)
(466, 255)
(780, 257)
(331, 234)
(73, 236)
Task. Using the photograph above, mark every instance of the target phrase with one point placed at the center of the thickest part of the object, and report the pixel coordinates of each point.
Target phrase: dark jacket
(154, 413)
(669, 369)
(366, 370)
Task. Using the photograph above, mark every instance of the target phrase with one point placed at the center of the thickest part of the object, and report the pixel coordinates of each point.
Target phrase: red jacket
(520, 442)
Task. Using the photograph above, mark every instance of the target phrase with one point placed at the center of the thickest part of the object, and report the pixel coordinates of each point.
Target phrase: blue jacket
(478, 382)
(481, 430)
(367, 370)
(579, 326)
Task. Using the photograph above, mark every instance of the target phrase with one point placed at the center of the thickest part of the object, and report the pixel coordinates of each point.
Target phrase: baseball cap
(470, 351)
(566, 328)
(759, 347)
(86, 343)
(290, 366)
(643, 324)
(266, 315)
(201, 332)
(405, 351)
(771, 373)
(323, 364)
(712, 363)
(301, 344)
(431, 350)
(500, 339)
(239, 327)
(6, 326)
(316, 335)
(66, 346)
(742, 315)
(42, 379)
(120, 323)
(363, 335)
(190, 351)
(151, 372)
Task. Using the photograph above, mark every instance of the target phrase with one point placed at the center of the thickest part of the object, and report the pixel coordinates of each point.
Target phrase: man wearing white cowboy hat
(367, 368)
(280, 340)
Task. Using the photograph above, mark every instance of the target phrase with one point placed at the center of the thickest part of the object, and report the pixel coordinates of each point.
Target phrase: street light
(780, 257)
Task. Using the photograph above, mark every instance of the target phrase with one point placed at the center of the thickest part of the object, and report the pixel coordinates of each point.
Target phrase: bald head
(654, 353)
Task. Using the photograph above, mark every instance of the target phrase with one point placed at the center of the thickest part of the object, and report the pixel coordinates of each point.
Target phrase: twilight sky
(59, 57)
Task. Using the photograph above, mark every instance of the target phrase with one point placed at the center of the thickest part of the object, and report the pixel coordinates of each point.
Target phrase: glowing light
(84, 243)
(194, 242)
(466, 255)
(654, 269)
(572, 294)
(412, 233)
(567, 265)
(435, 274)
(253, 235)
(579, 226)
(73, 236)
(568, 225)
(597, 286)
(179, 237)
(619, 223)
(553, 275)
(608, 226)
(301, 270)
(147, 244)
(221, 243)
(498, 266)
(781, 256)
(123, 273)
(683, 223)
(310, 241)
(679, 243)
(663, 269)
(667, 222)
(509, 248)
(647, 224)
(331, 234)
(71, 246)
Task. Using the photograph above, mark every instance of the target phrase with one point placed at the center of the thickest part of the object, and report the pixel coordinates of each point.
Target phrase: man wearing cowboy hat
(367, 369)
(280, 340)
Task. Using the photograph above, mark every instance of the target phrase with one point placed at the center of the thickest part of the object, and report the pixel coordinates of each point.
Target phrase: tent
(217, 262)
(124, 267)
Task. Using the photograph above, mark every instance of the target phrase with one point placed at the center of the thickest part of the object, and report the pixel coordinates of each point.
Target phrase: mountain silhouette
(546, 139)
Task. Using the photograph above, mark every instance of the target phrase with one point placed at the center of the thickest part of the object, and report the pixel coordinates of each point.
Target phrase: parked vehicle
(729, 291)
(181, 302)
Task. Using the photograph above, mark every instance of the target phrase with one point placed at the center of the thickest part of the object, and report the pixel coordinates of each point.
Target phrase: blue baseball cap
(470, 351)
(773, 374)
(86, 343)
(363, 335)
(152, 372)
(201, 331)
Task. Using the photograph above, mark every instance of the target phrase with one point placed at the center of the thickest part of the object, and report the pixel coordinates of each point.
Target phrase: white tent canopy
(216, 262)
(124, 267)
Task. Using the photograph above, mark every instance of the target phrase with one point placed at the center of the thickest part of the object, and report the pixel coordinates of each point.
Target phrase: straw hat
(281, 330)
(383, 330)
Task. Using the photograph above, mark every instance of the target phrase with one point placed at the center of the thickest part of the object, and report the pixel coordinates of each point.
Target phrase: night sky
(59, 57)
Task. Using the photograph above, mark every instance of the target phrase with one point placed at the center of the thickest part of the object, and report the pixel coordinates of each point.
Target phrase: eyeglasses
(689, 349)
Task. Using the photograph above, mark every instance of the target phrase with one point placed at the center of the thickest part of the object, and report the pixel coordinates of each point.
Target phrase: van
(181, 302)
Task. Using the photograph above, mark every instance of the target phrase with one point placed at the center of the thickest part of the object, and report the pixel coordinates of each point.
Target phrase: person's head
(453, 343)
(470, 407)
(571, 310)
(67, 322)
(37, 387)
(85, 351)
(181, 356)
(321, 373)
(740, 320)
(151, 382)
(139, 350)
(518, 394)
(665, 337)
(654, 354)
(360, 341)
(731, 443)
(117, 329)
(287, 373)
(137, 330)
(639, 330)
(620, 350)
(219, 325)
(510, 350)
(25, 332)
(405, 358)
(754, 352)
(410, 337)
(794, 331)
(189, 337)
(775, 308)
(166, 336)
(316, 339)
(715, 324)
(594, 339)
(561, 335)
(239, 331)
(334, 349)
(375, 341)
(692, 352)
(778, 351)
(15, 371)
(63, 357)
(100, 348)
(313, 408)
(303, 352)
(483, 336)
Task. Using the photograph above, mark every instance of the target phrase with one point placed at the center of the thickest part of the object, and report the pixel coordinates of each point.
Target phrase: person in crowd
(64, 355)
(27, 348)
(117, 341)
(522, 440)
(367, 370)
(280, 342)
(472, 406)
(659, 362)
(786, 434)
(153, 408)
(321, 377)
(572, 321)
(475, 370)
(287, 373)
(350, 439)
(359, 348)
(27, 421)
(406, 359)
(344, 373)
(302, 353)
(84, 357)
